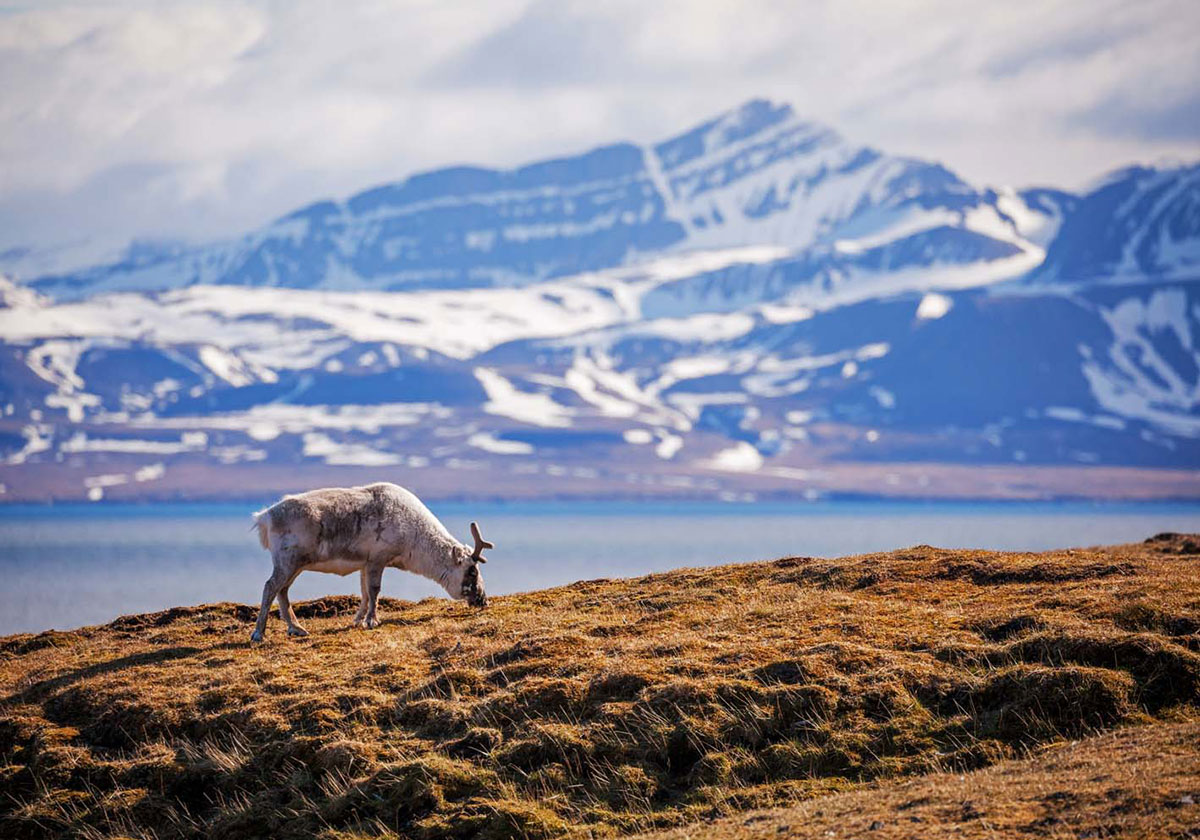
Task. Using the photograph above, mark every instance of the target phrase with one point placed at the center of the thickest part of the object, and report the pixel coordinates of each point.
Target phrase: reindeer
(362, 529)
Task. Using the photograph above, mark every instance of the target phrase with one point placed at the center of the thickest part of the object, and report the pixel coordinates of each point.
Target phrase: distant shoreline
(632, 505)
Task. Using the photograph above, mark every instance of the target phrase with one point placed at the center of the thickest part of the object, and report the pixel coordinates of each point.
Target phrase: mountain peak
(754, 175)
(751, 117)
(1137, 222)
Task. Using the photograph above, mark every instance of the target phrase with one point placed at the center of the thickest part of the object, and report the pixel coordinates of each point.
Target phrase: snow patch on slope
(504, 400)
(490, 443)
(1134, 379)
(933, 306)
(318, 445)
(741, 457)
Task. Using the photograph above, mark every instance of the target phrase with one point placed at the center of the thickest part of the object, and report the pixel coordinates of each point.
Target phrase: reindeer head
(472, 582)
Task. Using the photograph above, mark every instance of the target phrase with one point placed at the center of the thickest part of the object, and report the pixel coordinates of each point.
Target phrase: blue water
(67, 566)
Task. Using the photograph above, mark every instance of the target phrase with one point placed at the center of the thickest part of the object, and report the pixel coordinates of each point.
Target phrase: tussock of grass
(602, 708)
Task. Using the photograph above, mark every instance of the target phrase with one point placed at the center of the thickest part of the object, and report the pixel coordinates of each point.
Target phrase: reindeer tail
(261, 520)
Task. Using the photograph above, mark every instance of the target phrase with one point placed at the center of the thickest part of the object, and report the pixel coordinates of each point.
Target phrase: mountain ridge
(754, 175)
(823, 319)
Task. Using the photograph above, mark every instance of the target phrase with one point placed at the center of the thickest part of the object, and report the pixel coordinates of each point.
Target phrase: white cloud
(198, 119)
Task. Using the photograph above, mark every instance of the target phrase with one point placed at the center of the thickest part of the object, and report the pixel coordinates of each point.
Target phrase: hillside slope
(607, 708)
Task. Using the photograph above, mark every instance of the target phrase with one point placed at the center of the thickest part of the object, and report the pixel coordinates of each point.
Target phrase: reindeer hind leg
(285, 610)
(271, 588)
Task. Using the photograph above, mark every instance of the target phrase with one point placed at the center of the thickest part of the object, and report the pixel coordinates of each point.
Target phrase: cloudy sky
(200, 119)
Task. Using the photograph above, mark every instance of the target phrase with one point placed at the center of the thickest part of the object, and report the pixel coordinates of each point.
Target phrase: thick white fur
(341, 530)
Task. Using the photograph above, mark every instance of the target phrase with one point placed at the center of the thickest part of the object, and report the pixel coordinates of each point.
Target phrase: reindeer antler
(480, 544)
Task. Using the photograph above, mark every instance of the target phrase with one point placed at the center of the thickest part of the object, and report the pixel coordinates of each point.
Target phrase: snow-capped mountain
(753, 306)
(1138, 223)
(755, 176)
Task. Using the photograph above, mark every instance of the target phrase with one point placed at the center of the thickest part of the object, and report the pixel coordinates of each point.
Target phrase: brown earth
(973, 691)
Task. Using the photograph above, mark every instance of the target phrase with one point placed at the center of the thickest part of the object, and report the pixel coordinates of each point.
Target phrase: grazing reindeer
(365, 530)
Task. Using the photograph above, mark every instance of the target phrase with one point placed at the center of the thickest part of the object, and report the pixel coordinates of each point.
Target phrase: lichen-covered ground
(690, 699)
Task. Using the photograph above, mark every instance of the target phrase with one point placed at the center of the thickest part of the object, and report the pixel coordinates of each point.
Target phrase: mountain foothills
(756, 307)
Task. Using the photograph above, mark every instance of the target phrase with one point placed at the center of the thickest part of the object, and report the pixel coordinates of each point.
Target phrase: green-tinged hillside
(686, 700)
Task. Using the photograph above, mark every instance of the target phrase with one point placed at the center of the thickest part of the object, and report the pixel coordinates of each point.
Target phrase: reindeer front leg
(374, 579)
(360, 616)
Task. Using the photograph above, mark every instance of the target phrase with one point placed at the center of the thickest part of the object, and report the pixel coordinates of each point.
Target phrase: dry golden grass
(609, 707)
(1138, 782)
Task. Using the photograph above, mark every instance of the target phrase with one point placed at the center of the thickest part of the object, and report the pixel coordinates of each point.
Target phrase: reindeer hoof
(256, 636)
(358, 623)
(372, 623)
(297, 631)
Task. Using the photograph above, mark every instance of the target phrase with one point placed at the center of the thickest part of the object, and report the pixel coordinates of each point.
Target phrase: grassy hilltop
(858, 696)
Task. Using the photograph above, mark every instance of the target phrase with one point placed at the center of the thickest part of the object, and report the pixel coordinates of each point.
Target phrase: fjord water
(69, 566)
